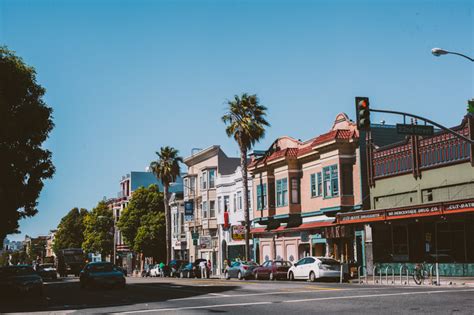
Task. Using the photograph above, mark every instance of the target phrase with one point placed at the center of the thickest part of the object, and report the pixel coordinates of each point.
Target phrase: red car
(272, 269)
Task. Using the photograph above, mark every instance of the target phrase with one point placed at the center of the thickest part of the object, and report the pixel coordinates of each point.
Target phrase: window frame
(282, 192)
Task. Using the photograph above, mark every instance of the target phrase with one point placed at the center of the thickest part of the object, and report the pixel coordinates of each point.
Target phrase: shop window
(400, 242)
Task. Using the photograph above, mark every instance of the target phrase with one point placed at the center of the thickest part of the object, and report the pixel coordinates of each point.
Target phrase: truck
(70, 261)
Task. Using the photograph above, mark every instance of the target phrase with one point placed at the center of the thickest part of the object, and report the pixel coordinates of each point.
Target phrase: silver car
(241, 270)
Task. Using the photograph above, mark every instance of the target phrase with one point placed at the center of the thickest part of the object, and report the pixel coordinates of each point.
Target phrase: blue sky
(126, 77)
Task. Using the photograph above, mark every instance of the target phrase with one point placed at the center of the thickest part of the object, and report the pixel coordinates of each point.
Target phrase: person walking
(162, 269)
(203, 267)
(209, 267)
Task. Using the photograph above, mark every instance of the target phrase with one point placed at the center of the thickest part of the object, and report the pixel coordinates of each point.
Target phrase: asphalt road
(195, 296)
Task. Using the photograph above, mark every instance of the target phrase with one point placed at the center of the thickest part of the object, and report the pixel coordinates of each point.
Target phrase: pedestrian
(203, 267)
(162, 269)
(209, 266)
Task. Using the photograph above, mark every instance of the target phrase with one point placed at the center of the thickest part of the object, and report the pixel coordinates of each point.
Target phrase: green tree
(245, 122)
(70, 232)
(142, 222)
(20, 257)
(99, 231)
(167, 169)
(25, 123)
(4, 258)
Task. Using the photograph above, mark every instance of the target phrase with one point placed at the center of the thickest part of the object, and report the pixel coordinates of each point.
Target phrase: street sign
(195, 235)
(416, 130)
(189, 208)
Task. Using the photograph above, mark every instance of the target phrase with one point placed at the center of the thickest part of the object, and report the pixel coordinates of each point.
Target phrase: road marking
(175, 309)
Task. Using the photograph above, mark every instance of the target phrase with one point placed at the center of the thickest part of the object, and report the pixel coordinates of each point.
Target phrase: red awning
(302, 227)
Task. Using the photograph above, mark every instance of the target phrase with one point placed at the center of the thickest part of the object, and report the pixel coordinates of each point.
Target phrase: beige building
(200, 189)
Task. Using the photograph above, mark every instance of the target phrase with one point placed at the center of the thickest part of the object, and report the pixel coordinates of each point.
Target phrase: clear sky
(126, 77)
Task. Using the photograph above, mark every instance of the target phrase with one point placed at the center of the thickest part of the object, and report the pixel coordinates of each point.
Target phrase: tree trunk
(168, 223)
(243, 166)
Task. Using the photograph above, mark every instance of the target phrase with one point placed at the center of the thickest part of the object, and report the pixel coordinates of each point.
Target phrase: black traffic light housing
(363, 113)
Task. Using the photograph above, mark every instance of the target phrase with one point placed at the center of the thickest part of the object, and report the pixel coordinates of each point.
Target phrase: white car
(312, 268)
(155, 271)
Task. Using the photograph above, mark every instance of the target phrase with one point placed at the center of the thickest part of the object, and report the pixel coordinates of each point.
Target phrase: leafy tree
(167, 169)
(245, 122)
(142, 222)
(4, 258)
(70, 232)
(20, 257)
(37, 248)
(99, 231)
(25, 123)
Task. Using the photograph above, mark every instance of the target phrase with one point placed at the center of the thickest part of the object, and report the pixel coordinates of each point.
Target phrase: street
(195, 296)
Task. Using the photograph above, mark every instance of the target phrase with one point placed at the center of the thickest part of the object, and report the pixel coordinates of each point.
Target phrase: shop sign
(205, 242)
(416, 211)
(238, 232)
(369, 216)
(458, 206)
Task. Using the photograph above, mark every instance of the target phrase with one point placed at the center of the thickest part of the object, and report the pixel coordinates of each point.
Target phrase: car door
(267, 267)
(234, 269)
(310, 265)
(299, 268)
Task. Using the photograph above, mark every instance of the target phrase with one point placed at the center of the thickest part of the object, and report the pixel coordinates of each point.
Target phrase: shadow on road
(68, 295)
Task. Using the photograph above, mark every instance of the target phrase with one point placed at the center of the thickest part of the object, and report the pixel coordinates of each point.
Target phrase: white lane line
(289, 301)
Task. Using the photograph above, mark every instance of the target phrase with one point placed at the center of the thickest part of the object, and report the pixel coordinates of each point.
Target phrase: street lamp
(438, 52)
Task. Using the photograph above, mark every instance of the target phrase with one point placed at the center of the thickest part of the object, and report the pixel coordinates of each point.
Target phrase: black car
(20, 279)
(47, 271)
(103, 274)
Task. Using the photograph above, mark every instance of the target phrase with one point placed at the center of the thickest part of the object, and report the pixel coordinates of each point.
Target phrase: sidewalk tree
(25, 123)
(70, 232)
(167, 169)
(99, 231)
(142, 223)
(245, 122)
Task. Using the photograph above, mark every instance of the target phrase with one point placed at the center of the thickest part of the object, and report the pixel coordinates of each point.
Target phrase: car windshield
(282, 264)
(329, 261)
(16, 271)
(101, 268)
(249, 263)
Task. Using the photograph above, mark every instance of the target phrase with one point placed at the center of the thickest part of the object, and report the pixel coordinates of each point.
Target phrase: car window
(301, 261)
(309, 260)
(278, 263)
(101, 268)
(235, 264)
(286, 263)
(329, 261)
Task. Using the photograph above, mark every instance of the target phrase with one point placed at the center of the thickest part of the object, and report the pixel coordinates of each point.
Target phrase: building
(231, 216)
(299, 187)
(12, 246)
(200, 193)
(178, 235)
(421, 204)
(128, 184)
(49, 245)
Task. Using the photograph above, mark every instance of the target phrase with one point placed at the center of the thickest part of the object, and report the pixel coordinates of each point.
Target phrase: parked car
(174, 266)
(240, 270)
(101, 274)
(47, 271)
(20, 279)
(155, 271)
(272, 270)
(312, 268)
(123, 270)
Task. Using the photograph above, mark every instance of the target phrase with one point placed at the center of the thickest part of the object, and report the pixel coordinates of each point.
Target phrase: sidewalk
(444, 281)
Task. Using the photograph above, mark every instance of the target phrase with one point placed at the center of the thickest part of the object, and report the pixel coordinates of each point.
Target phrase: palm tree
(167, 169)
(245, 120)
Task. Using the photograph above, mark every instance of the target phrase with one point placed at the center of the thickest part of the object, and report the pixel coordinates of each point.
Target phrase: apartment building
(178, 233)
(200, 193)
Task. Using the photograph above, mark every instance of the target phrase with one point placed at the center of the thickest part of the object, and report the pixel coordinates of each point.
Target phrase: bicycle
(420, 274)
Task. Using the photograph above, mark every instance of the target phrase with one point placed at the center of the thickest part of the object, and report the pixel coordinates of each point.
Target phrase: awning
(302, 227)
(425, 210)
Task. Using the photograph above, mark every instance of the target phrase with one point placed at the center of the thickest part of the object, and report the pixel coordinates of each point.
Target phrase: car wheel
(312, 276)
(291, 276)
(226, 276)
(256, 276)
(271, 276)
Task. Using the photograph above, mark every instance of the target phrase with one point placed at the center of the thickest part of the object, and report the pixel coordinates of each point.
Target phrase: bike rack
(386, 274)
(365, 274)
(403, 267)
(373, 274)
(432, 271)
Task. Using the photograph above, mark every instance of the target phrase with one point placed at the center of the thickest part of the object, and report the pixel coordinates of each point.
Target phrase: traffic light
(363, 113)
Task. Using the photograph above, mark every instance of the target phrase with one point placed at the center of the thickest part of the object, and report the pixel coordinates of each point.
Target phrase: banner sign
(205, 241)
(188, 208)
(417, 130)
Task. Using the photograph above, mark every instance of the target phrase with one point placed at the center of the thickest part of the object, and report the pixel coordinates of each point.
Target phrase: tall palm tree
(245, 120)
(167, 169)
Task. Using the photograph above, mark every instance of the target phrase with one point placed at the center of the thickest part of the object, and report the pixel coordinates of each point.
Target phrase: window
(316, 185)
(212, 178)
(186, 187)
(331, 183)
(181, 223)
(204, 180)
(249, 200)
(226, 203)
(261, 197)
(295, 190)
(320, 184)
(212, 209)
(235, 202)
(204, 209)
(192, 186)
(239, 200)
(313, 185)
(219, 204)
(282, 192)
